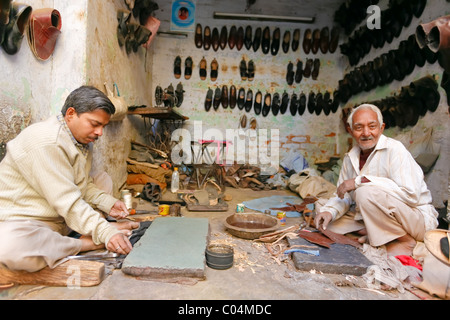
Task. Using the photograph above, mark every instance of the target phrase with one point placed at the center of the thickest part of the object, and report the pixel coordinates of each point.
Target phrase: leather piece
(44, 28)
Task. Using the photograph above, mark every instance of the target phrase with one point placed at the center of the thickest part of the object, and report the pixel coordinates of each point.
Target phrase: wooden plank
(73, 273)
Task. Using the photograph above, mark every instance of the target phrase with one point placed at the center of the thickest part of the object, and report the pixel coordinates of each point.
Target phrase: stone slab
(338, 259)
(172, 247)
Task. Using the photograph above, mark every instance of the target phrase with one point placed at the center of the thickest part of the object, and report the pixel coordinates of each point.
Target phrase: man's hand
(119, 210)
(346, 186)
(119, 243)
(322, 219)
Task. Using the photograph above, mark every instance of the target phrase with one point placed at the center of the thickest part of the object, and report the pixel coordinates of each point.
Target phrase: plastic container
(175, 183)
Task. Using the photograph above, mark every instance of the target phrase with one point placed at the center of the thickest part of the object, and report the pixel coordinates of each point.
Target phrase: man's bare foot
(401, 246)
(88, 245)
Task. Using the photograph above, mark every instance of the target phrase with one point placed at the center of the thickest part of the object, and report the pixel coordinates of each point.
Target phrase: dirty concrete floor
(255, 275)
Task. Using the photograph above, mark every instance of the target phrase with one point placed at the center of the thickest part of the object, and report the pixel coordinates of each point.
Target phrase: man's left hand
(119, 210)
(344, 187)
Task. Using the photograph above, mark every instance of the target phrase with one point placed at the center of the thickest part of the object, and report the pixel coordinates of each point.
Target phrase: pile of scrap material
(148, 165)
(246, 176)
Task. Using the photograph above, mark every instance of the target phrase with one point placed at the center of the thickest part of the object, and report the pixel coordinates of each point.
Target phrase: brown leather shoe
(214, 70)
(232, 99)
(207, 38)
(439, 42)
(232, 37)
(315, 41)
(240, 38)
(307, 41)
(215, 39)
(423, 30)
(203, 66)
(295, 39)
(223, 38)
(334, 40)
(217, 98)
(324, 39)
(5, 9)
(198, 38)
(224, 98)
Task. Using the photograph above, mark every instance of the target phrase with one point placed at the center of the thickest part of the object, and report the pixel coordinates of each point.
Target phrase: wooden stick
(75, 273)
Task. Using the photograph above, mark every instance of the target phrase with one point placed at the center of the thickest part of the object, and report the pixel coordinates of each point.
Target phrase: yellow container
(164, 209)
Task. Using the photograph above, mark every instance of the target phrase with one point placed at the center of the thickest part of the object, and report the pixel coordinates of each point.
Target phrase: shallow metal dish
(251, 225)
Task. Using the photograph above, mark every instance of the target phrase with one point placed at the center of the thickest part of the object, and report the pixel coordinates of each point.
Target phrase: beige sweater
(44, 176)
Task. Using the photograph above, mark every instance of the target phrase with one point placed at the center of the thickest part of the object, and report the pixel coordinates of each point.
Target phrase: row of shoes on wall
(268, 41)
(397, 16)
(413, 102)
(275, 103)
(169, 97)
(351, 13)
(43, 27)
(188, 67)
(130, 35)
(393, 65)
(311, 69)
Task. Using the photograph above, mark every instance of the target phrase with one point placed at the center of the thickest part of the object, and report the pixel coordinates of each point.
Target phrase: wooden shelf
(163, 113)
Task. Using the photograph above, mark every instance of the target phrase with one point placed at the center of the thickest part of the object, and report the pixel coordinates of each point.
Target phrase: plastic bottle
(175, 184)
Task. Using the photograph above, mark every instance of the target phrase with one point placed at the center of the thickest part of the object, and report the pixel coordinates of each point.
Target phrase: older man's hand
(322, 219)
(346, 186)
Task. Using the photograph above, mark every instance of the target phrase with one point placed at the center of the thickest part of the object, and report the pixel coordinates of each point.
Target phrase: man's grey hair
(372, 107)
(88, 99)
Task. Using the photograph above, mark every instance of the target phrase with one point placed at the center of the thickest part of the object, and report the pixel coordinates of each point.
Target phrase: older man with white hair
(379, 175)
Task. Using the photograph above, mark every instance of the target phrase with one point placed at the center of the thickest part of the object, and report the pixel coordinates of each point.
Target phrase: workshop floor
(255, 275)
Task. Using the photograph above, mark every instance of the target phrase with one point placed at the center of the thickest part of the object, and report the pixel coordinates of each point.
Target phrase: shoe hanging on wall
(207, 38)
(240, 38)
(286, 41)
(257, 39)
(265, 42)
(275, 103)
(44, 28)
(257, 106)
(198, 38)
(295, 39)
(293, 104)
(301, 104)
(232, 99)
(232, 37)
(267, 104)
(223, 38)
(15, 29)
(275, 46)
(208, 99)
(248, 37)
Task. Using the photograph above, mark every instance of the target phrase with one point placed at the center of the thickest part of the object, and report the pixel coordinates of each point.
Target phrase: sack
(118, 102)
(425, 151)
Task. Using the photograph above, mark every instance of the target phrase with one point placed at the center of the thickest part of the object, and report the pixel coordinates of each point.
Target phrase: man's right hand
(322, 219)
(119, 243)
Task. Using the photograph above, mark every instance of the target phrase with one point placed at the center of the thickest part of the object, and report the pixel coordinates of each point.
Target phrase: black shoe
(224, 98)
(311, 102)
(275, 103)
(293, 105)
(249, 101)
(217, 98)
(240, 38)
(232, 37)
(302, 104)
(215, 39)
(326, 107)
(290, 73)
(284, 102)
(177, 67)
(251, 70)
(248, 37)
(241, 99)
(299, 72)
(308, 68)
(179, 93)
(188, 68)
(265, 42)
(275, 46)
(257, 106)
(257, 39)
(319, 103)
(208, 99)
(267, 104)
(243, 70)
(223, 38)
(295, 39)
(286, 41)
(15, 29)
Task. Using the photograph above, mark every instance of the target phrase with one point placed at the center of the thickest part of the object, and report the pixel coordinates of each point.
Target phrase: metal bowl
(250, 225)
